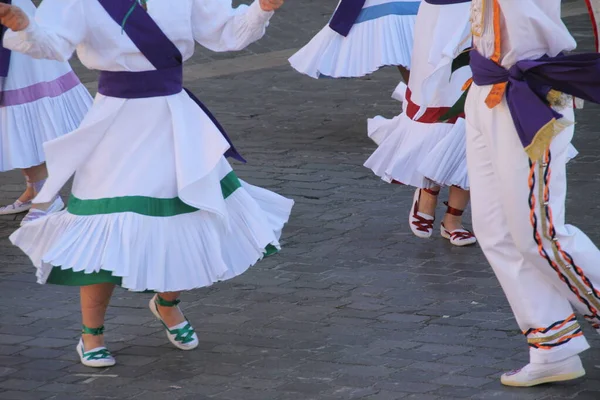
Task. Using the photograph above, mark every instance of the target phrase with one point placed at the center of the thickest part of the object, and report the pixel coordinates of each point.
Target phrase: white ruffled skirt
(155, 205)
(422, 155)
(419, 154)
(383, 41)
(42, 101)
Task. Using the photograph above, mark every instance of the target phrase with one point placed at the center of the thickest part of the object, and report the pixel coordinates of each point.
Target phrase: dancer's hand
(270, 5)
(13, 17)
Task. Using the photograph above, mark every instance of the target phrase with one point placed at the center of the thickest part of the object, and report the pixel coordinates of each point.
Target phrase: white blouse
(63, 26)
(530, 29)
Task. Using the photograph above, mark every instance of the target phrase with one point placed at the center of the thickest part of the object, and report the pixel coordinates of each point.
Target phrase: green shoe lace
(101, 354)
(183, 335)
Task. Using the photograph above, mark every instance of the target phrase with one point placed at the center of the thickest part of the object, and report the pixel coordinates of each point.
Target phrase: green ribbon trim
(149, 206)
(97, 355)
(183, 335)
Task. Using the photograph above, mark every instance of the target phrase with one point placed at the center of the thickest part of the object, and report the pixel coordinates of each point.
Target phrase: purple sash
(346, 15)
(530, 81)
(446, 2)
(4, 56)
(4, 53)
(166, 80)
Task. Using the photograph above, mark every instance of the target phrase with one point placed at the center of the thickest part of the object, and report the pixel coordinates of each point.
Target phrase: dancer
(517, 147)
(424, 146)
(155, 205)
(361, 37)
(40, 100)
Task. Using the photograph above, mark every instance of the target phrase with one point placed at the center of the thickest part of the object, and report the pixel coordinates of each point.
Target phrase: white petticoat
(370, 45)
(421, 155)
(418, 154)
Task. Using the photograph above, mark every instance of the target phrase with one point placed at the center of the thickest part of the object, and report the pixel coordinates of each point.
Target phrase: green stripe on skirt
(149, 206)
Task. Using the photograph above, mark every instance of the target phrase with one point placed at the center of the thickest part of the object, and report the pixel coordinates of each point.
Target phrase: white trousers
(544, 266)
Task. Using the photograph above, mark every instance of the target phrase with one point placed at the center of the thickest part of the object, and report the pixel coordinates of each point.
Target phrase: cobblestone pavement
(354, 308)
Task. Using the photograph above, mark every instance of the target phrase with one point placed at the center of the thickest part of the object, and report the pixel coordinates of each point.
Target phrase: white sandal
(458, 237)
(181, 335)
(421, 224)
(99, 357)
(36, 213)
(17, 207)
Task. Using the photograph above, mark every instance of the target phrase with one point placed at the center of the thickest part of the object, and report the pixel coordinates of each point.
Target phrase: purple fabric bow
(346, 15)
(4, 57)
(530, 81)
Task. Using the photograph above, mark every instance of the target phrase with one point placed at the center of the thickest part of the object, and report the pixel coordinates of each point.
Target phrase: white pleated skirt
(155, 206)
(382, 36)
(42, 100)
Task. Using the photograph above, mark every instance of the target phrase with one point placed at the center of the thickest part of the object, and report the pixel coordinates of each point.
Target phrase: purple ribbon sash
(4, 57)
(346, 15)
(446, 2)
(530, 81)
(4, 52)
(166, 80)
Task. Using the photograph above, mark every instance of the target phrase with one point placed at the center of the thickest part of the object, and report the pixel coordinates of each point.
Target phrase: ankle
(169, 310)
(92, 341)
(27, 195)
(452, 221)
(427, 202)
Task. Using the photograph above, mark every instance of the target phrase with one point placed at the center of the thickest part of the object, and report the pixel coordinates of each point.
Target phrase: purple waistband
(529, 82)
(446, 2)
(137, 85)
(40, 90)
(155, 83)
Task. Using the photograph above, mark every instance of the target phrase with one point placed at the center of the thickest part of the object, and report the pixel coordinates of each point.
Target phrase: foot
(37, 213)
(179, 331)
(27, 195)
(453, 230)
(422, 214)
(98, 357)
(171, 316)
(91, 349)
(538, 374)
(15, 208)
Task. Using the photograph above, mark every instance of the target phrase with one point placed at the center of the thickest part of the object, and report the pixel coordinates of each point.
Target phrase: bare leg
(94, 302)
(28, 193)
(405, 73)
(458, 198)
(171, 315)
(428, 202)
(36, 175)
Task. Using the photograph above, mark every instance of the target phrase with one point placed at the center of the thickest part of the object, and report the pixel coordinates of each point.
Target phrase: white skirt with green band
(147, 243)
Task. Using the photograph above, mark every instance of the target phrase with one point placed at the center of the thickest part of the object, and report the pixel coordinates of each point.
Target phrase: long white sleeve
(220, 27)
(54, 33)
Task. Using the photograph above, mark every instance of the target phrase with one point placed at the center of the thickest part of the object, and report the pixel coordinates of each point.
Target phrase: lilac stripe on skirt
(40, 90)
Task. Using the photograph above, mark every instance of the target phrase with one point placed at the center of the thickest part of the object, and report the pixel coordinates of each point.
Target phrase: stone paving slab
(354, 307)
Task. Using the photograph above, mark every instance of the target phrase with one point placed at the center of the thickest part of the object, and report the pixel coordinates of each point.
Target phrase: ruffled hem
(26, 127)
(446, 163)
(418, 154)
(180, 252)
(369, 46)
